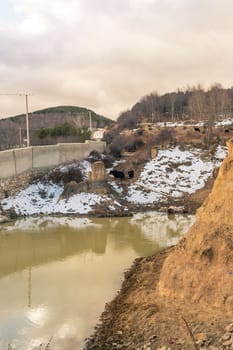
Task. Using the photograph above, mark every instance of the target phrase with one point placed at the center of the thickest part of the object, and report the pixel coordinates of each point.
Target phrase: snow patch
(116, 187)
(44, 199)
(172, 173)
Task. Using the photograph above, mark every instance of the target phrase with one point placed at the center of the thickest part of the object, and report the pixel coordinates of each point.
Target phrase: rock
(4, 219)
(229, 301)
(73, 187)
(226, 336)
(175, 210)
(162, 209)
(119, 333)
(201, 337)
(97, 172)
(229, 328)
(180, 342)
(228, 342)
(153, 337)
(99, 187)
(153, 152)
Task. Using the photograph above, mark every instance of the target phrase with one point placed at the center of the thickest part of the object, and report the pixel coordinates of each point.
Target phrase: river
(57, 273)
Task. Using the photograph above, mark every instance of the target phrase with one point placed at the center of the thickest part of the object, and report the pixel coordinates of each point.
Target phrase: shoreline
(180, 298)
(138, 318)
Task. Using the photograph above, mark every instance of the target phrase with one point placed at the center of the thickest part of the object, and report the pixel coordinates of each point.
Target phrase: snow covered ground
(44, 199)
(171, 174)
(223, 122)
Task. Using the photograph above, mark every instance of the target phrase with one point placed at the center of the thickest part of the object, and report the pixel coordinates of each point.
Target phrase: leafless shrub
(71, 174)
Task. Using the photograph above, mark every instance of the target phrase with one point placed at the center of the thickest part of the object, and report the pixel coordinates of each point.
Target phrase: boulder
(96, 182)
(97, 172)
(4, 219)
(153, 152)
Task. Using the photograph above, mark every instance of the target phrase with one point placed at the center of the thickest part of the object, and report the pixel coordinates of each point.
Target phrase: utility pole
(90, 121)
(20, 136)
(27, 115)
(27, 121)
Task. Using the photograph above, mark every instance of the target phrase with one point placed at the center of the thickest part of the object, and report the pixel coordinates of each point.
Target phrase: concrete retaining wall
(22, 158)
(45, 156)
(7, 164)
(17, 161)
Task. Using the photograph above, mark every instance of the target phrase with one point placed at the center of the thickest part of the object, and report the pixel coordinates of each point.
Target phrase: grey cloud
(107, 54)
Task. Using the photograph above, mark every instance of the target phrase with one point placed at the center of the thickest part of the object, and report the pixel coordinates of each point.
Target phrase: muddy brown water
(56, 274)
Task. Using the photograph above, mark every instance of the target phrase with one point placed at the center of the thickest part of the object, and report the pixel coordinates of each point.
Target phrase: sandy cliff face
(200, 268)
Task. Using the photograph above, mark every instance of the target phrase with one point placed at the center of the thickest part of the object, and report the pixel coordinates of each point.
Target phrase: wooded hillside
(50, 125)
(193, 103)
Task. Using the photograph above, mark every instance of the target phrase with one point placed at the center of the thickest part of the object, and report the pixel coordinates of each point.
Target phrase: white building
(97, 134)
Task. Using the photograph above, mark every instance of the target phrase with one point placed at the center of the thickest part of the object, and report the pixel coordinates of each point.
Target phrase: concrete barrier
(17, 161)
(69, 152)
(45, 156)
(7, 164)
(23, 160)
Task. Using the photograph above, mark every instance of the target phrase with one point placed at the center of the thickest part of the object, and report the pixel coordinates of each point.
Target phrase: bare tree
(172, 98)
(197, 103)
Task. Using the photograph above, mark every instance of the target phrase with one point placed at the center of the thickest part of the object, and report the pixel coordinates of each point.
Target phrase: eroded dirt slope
(191, 282)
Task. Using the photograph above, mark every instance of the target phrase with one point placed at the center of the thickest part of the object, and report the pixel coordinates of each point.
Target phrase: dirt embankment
(181, 298)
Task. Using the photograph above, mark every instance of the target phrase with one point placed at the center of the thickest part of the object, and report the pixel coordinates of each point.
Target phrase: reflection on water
(57, 273)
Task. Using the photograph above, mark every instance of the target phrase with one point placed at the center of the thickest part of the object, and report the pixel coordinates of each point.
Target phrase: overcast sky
(107, 54)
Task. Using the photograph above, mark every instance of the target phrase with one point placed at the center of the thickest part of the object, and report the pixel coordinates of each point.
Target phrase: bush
(72, 174)
(117, 145)
(83, 134)
(115, 150)
(110, 135)
(166, 135)
(108, 160)
(125, 143)
(64, 130)
(94, 156)
(133, 144)
(42, 133)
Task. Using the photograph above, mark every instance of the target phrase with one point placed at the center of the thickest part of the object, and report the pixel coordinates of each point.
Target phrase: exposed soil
(140, 318)
(182, 297)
